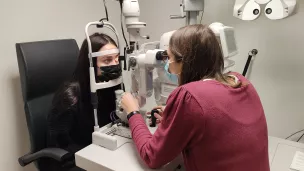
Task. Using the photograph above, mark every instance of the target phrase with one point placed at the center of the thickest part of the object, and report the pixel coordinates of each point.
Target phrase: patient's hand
(158, 116)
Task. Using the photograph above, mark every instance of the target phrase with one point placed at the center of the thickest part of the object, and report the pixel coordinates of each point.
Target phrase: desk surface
(96, 158)
(125, 158)
(281, 153)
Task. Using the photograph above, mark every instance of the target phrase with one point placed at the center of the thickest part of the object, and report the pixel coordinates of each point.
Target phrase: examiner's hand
(129, 103)
(157, 116)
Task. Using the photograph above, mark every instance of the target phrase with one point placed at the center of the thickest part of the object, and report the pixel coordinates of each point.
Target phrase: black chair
(43, 67)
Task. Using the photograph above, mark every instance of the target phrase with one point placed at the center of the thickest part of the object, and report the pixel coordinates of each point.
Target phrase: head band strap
(105, 52)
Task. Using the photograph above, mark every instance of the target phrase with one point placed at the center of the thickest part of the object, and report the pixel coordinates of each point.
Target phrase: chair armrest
(57, 154)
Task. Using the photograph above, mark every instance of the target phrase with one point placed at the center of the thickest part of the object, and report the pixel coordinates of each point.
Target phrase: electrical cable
(294, 134)
(300, 137)
(112, 116)
(106, 10)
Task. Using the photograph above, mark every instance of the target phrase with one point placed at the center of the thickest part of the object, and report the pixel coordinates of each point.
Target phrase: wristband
(131, 114)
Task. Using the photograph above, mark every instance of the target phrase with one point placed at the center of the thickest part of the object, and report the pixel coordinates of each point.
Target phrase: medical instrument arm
(190, 10)
(131, 12)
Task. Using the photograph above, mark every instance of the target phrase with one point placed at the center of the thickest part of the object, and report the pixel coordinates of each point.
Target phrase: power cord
(106, 10)
(107, 17)
(295, 134)
(300, 137)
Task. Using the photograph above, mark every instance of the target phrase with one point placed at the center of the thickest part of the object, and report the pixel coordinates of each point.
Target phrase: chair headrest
(45, 65)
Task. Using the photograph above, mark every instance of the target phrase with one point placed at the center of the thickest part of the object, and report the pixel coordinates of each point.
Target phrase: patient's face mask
(108, 64)
(108, 73)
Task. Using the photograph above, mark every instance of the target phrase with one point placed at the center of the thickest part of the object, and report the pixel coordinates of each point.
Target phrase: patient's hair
(81, 74)
(78, 87)
(197, 47)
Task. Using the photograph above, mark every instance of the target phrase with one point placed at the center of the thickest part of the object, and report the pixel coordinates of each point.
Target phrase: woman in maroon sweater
(215, 120)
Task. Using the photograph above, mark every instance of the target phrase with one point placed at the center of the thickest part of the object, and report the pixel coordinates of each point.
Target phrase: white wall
(34, 20)
(278, 70)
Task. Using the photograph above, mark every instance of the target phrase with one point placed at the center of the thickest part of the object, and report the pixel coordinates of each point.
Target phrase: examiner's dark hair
(199, 51)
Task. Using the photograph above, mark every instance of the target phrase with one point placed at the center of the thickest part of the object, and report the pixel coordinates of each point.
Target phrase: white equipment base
(96, 158)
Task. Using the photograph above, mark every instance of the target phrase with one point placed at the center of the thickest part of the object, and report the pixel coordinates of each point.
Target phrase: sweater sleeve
(182, 125)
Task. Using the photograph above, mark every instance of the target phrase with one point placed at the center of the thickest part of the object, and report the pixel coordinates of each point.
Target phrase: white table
(126, 158)
(281, 153)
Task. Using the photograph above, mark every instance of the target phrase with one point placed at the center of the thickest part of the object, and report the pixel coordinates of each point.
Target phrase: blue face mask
(172, 77)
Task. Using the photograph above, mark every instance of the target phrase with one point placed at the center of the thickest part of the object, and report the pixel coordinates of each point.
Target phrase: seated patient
(71, 119)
